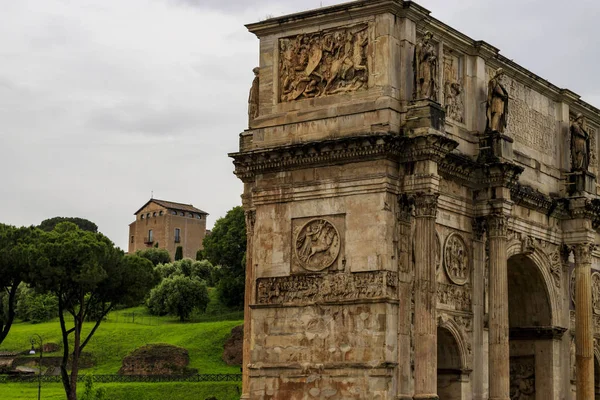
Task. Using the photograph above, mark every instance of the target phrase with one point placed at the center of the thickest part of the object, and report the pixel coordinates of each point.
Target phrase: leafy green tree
(226, 244)
(226, 247)
(156, 256)
(36, 307)
(202, 270)
(178, 295)
(179, 253)
(88, 275)
(17, 255)
(83, 224)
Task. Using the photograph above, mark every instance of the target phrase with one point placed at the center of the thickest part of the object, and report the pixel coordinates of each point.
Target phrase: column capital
(425, 205)
(583, 253)
(478, 225)
(497, 224)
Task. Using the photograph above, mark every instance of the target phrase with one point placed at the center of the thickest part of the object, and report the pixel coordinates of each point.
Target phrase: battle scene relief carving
(323, 63)
(454, 297)
(456, 259)
(453, 88)
(311, 288)
(522, 378)
(596, 292)
(317, 244)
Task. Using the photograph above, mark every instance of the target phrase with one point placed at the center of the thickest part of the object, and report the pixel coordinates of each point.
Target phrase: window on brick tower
(177, 235)
(150, 236)
(132, 239)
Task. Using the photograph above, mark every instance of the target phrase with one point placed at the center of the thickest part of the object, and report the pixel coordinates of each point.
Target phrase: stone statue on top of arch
(497, 104)
(425, 64)
(580, 145)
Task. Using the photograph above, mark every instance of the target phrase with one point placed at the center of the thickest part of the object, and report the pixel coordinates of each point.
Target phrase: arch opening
(533, 340)
(449, 366)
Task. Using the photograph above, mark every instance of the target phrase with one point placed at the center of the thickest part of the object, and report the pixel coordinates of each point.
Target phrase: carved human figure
(253, 96)
(497, 104)
(454, 102)
(425, 64)
(580, 145)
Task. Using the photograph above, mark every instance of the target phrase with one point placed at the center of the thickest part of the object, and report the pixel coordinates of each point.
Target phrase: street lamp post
(32, 351)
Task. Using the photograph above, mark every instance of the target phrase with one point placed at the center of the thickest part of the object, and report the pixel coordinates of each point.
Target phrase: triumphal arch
(421, 216)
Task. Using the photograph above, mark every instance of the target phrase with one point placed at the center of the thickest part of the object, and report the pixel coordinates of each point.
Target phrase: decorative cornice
(428, 147)
(537, 333)
(345, 12)
(531, 198)
(458, 167)
(503, 174)
(341, 150)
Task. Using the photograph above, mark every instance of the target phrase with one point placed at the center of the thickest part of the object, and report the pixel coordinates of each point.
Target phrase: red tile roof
(173, 206)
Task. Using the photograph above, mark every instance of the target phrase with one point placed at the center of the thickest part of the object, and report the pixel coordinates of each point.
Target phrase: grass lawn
(129, 391)
(118, 336)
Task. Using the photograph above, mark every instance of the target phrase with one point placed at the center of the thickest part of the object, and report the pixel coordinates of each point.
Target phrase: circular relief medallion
(456, 259)
(317, 244)
(596, 292)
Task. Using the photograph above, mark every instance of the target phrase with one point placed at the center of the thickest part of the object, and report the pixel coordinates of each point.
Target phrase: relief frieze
(312, 288)
(453, 296)
(323, 63)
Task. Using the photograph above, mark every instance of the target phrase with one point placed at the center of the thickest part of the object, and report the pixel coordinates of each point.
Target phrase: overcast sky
(104, 101)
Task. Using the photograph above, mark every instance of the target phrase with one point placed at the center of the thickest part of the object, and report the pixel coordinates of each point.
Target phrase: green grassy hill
(124, 331)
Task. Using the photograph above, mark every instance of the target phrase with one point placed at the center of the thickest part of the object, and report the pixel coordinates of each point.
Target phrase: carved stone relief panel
(456, 259)
(454, 297)
(317, 243)
(453, 86)
(311, 288)
(324, 63)
(596, 292)
(592, 132)
(533, 127)
(438, 253)
(522, 378)
(572, 286)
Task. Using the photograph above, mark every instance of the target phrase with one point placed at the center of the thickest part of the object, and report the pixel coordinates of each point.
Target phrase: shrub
(178, 295)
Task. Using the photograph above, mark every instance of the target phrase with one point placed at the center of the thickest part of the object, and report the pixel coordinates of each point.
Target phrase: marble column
(584, 333)
(425, 322)
(478, 225)
(248, 296)
(499, 362)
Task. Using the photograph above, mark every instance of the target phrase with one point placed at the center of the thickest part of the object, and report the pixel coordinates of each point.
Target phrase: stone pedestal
(425, 297)
(499, 366)
(584, 334)
(495, 147)
(582, 181)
